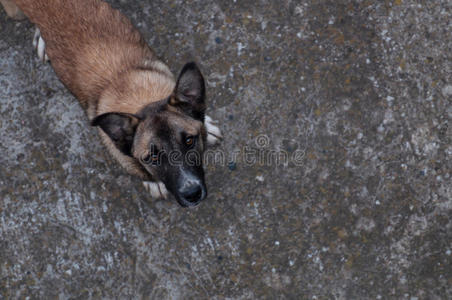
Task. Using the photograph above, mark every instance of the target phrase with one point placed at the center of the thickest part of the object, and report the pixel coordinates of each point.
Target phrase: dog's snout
(193, 193)
(190, 189)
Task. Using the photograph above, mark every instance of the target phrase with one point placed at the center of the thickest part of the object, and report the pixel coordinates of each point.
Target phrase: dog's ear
(190, 92)
(120, 127)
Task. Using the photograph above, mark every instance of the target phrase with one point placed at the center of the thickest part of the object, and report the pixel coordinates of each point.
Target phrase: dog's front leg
(213, 132)
(156, 189)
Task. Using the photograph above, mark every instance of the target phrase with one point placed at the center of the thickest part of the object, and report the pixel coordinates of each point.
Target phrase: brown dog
(154, 126)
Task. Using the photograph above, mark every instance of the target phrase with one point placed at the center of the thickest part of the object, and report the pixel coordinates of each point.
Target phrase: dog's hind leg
(40, 46)
(157, 190)
(213, 132)
(12, 10)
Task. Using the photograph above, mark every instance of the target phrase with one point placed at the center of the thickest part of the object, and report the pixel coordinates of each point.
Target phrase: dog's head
(167, 137)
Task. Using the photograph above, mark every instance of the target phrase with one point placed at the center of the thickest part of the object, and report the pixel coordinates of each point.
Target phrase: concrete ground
(353, 96)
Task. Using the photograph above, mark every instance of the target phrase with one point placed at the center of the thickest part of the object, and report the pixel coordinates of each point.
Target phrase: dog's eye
(190, 141)
(154, 159)
(149, 158)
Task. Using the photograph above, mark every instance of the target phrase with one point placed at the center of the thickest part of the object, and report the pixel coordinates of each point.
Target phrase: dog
(153, 124)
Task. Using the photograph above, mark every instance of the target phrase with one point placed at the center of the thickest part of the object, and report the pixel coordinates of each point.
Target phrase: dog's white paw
(157, 190)
(213, 132)
(40, 46)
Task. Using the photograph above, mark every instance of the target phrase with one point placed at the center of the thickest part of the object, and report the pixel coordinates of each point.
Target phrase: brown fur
(102, 59)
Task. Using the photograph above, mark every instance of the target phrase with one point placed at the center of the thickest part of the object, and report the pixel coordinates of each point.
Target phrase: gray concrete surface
(357, 93)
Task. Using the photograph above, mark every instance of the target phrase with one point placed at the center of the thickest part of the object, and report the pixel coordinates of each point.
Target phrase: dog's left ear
(120, 127)
(190, 92)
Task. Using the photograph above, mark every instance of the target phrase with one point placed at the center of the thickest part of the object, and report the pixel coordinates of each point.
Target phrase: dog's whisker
(217, 136)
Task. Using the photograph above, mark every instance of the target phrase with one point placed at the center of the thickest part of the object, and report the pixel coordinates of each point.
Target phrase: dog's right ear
(190, 92)
(120, 127)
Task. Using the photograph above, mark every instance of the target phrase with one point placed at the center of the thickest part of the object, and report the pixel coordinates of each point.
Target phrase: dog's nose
(193, 194)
